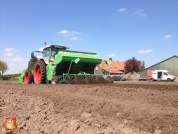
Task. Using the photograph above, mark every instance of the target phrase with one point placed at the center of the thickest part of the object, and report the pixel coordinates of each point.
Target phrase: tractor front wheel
(28, 78)
(40, 72)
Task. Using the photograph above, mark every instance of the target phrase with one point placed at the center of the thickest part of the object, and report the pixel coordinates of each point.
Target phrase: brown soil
(120, 108)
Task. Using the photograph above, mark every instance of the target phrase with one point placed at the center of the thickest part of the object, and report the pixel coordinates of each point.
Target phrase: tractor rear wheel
(40, 72)
(28, 78)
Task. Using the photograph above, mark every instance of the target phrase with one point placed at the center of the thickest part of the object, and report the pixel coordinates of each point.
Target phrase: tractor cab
(49, 52)
(52, 50)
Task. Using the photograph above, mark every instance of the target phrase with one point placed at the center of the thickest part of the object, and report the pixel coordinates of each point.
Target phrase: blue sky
(120, 29)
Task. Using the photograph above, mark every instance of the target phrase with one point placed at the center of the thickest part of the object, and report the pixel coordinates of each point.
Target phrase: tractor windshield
(54, 51)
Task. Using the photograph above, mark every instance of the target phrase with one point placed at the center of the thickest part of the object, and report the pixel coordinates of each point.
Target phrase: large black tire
(28, 77)
(168, 79)
(40, 72)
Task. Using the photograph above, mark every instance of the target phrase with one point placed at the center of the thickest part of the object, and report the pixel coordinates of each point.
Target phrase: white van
(160, 75)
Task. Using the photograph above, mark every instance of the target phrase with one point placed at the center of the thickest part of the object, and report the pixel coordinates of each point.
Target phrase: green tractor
(59, 65)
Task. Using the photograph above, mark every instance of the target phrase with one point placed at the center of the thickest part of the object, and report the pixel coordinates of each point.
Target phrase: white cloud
(15, 59)
(41, 49)
(122, 10)
(39, 56)
(10, 50)
(16, 64)
(72, 34)
(67, 33)
(64, 32)
(168, 36)
(16, 68)
(144, 51)
(9, 54)
(139, 13)
(110, 55)
(12, 64)
(75, 38)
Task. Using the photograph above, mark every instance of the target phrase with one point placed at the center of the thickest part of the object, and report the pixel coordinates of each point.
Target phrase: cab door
(165, 76)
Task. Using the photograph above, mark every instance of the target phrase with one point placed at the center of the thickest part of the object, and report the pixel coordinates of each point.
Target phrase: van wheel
(168, 79)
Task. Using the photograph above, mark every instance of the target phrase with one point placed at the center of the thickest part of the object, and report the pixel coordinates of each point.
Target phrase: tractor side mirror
(32, 54)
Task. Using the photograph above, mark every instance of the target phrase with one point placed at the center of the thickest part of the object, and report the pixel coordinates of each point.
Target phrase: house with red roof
(115, 68)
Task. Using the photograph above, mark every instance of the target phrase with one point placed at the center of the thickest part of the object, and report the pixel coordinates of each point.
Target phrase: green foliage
(32, 62)
(3, 67)
(15, 75)
(8, 76)
(143, 65)
(132, 65)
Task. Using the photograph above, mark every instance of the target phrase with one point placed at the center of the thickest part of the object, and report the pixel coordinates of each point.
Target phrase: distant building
(170, 64)
(115, 68)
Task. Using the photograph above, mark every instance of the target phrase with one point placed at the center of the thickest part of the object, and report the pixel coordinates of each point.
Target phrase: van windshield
(165, 73)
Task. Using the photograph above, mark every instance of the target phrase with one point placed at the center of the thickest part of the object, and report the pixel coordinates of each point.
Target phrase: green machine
(60, 65)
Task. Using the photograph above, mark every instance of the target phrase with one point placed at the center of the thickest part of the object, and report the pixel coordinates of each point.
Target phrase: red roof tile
(114, 67)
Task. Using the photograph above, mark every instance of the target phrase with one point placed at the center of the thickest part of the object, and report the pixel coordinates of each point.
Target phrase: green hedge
(5, 77)
(8, 76)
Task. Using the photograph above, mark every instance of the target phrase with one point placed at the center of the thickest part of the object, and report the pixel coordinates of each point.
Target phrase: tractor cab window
(46, 52)
(54, 51)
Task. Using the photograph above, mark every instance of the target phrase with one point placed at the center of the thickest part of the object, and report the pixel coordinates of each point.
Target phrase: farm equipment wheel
(40, 72)
(55, 80)
(95, 80)
(91, 79)
(86, 80)
(70, 80)
(109, 79)
(102, 80)
(28, 78)
(78, 80)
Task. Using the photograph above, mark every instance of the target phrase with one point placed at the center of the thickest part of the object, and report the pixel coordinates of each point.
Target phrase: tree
(3, 67)
(32, 62)
(132, 65)
(143, 65)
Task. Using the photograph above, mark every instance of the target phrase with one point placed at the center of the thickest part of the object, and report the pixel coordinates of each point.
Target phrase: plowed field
(120, 108)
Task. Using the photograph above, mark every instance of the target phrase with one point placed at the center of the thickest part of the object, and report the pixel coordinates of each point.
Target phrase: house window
(96, 68)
